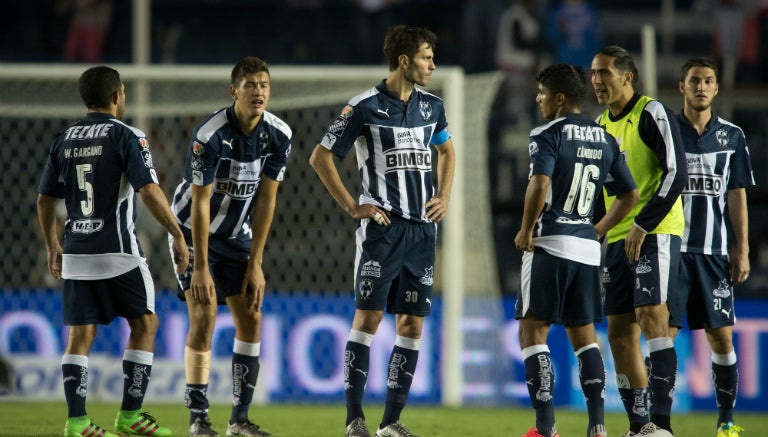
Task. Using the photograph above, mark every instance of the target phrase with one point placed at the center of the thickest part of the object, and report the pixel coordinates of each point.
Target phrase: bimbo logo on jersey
(704, 185)
(408, 159)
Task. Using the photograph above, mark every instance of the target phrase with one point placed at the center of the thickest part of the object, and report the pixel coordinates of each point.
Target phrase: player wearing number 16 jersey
(571, 159)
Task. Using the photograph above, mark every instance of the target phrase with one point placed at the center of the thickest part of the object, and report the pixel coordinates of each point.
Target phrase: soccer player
(643, 251)
(97, 165)
(719, 169)
(571, 159)
(391, 126)
(225, 204)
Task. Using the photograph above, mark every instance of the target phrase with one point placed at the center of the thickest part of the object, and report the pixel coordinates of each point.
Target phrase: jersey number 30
(583, 190)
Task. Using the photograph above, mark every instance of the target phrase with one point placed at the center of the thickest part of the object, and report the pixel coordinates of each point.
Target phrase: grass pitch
(47, 419)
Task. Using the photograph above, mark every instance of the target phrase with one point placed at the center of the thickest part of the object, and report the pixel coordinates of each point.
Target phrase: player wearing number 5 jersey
(643, 250)
(571, 159)
(98, 165)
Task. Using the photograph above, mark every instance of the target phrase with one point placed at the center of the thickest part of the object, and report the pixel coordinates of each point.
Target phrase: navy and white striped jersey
(96, 165)
(718, 161)
(219, 153)
(579, 157)
(392, 143)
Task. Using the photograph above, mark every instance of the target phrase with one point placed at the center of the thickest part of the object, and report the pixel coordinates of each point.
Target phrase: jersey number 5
(86, 206)
(582, 192)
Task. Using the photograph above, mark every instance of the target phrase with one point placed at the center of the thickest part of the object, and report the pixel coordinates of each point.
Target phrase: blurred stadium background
(175, 59)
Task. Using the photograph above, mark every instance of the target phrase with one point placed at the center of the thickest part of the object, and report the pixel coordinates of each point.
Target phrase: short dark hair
(566, 79)
(97, 85)
(622, 60)
(406, 40)
(698, 62)
(248, 65)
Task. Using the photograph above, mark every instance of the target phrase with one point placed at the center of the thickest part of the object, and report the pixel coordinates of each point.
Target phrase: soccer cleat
(533, 432)
(729, 430)
(201, 427)
(651, 430)
(357, 428)
(83, 427)
(396, 429)
(139, 422)
(245, 428)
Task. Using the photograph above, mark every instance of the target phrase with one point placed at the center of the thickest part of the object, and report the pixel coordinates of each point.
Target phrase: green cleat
(83, 427)
(729, 430)
(139, 422)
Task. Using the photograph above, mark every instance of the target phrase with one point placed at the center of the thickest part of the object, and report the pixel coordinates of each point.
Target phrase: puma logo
(227, 143)
(383, 111)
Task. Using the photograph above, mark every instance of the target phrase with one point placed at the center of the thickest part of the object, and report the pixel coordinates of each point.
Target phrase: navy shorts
(650, 281)
(705, 292)
(99, 301)
(227, 262)
(558, 290)
(395, 265)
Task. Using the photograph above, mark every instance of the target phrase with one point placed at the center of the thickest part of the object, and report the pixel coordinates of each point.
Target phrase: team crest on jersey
(347, 111)
(643, 266)
(722, 138)
(197, 148)
(144, 143)
(425, 109)
(366, 288)
(723, 289)
(263, 141)
(533, 148)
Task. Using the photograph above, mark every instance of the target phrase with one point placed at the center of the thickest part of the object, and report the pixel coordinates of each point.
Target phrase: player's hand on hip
(436, 207)
(633, 242)
(524, 241)
(202, 287)
(372, 212)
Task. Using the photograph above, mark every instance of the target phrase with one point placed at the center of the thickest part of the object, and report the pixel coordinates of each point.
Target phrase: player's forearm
(619, 209)
(535, 197)
(737, 212)
(322, 162)
(46, 214)
(201, 224)
(446, 165)
(261, 220)
(154, 199)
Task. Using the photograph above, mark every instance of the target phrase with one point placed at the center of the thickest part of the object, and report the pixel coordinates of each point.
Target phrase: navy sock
(663, 373)
(357, 356)
(592, 378)
(402, 366)
(75, 387)
(726, 381)
(634, 400)
(136, 379)
(196, 399)
(540, 379)
(245, 373)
